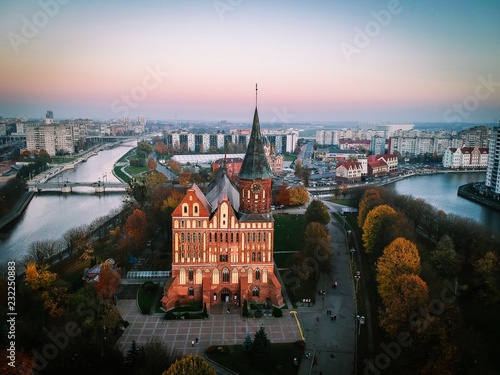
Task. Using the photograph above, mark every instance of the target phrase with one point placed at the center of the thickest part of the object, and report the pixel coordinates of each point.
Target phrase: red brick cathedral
(223, 241)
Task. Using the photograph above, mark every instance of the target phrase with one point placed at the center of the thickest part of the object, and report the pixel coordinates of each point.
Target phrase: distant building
(478, 136)
(348, 171)
(493, 169)
(377, 145)
(465, 157)
(275, 161)
(417, 146)
(233, 166)
(381, 165)
(350, 144)
(55, 138)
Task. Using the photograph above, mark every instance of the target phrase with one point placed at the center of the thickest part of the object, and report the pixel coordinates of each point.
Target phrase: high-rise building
(478, 136)
(493, 169)
(223, 241)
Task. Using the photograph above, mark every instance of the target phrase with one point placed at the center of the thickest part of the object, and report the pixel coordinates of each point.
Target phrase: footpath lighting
(357, 277)
(361, 320)
(352, 254)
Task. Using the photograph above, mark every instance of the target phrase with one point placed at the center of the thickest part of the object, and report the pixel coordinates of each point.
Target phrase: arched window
(195, 208)
(210, 237)
(225, 275)
(253, 257)
(184, 209)
(258, 257)
(190, 274)
(255, 291)
(182, 237)
(191, 291)
(257, 274)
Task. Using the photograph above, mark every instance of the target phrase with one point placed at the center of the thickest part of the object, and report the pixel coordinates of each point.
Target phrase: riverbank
(17, 210)
(468, 192)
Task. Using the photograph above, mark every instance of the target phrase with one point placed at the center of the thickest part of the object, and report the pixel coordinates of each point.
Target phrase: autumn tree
(298, 196)
(373, 228)
(160, 148)
(399, 257)
(184, 179)
(283, 196)
(190, 365)
(135, 228)
(175, 166)
(403, 296)
(317, 211)
(152, 164)
(108, 282)
(39, 276)
(370, 199)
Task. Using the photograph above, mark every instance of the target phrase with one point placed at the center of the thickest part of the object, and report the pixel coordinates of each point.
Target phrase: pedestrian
(196, 339)
(192, 342)
(335, 317)
(335, 285)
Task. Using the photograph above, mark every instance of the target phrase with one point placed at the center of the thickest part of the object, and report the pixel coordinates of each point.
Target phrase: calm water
(441, 192)
(49, 215)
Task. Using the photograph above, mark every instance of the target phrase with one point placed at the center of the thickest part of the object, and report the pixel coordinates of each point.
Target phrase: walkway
(332, 342)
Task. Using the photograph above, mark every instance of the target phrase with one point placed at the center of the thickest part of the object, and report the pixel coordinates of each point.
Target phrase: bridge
(67, 186)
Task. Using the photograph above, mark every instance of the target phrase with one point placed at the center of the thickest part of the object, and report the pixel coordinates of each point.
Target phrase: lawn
(146, 296)
(289, 232)
(233, 358)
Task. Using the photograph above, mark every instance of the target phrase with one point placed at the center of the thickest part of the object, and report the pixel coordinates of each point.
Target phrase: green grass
(119, 173)
(289, 232)
(133, 171)
(125, 157)
(233, 358)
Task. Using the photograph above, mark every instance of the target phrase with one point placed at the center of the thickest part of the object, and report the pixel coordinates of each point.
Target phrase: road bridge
(67, 186)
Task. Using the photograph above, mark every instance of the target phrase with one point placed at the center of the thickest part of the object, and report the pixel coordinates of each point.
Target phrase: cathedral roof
(220, 187)
(255, 164)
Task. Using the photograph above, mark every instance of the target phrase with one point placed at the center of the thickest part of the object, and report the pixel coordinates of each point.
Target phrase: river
(50, 214)
(441, 192)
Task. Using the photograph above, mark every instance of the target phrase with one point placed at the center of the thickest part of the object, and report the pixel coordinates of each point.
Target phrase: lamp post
(348, 236)
(361, 320)
(357, 277)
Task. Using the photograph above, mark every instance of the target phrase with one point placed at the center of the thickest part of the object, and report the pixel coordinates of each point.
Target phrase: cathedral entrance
(225, 295)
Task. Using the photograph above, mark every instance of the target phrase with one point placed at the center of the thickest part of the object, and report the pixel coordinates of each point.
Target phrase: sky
(313, 61)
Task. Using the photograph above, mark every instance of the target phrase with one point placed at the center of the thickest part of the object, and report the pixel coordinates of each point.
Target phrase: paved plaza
(223, 329)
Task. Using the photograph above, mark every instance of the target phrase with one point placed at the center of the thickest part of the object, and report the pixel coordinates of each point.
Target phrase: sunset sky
(375, 61)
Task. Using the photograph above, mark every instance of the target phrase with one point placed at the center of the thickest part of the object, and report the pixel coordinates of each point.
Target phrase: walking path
(332, 343)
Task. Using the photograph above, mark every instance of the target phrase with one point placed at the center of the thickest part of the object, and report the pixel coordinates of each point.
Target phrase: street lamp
(357, 277)
(348, 236)
(353, 250)
(361, 320)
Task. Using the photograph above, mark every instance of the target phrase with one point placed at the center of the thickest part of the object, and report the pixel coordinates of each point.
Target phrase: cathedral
(223, 240)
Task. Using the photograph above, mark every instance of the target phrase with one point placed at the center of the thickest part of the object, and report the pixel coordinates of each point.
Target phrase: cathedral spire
(255, 164)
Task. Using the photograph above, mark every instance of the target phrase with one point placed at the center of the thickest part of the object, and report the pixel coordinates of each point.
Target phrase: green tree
(132, 357)
(486, 279)
(399, 257)
(261, 349)
(317, 211)
(373, 229)
(190, 365)
(144, 149)
(445, 259)
(248, 343)
(155, 357)
(245, 308)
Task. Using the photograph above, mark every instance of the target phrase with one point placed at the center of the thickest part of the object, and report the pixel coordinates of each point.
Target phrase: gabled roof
(350, 164)
(255, 164)
(220, 187)
(201, 197)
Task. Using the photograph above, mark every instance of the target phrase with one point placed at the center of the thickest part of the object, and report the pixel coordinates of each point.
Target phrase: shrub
(169, 315)
(277, 313)
(257, 314)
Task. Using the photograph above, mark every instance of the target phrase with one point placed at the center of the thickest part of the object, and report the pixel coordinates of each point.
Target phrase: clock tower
(255, 178)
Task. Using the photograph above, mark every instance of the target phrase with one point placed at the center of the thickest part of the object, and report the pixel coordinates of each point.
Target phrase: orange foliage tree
(399, 257)
(403, 297)
(136, 228)
(283, 196)
(373, 229)
(152, 164)
(371, 198)
(108, 282)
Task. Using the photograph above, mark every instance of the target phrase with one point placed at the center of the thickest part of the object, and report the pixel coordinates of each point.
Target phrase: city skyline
(385, 61)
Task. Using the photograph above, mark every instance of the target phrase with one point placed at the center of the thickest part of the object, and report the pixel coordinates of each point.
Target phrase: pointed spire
(255, 95)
